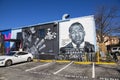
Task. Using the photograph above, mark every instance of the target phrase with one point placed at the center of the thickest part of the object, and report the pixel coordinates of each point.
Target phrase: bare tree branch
(105, 19)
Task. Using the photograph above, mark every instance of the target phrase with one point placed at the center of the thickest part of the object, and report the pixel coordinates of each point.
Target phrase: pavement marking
(42, 73)
(93, 70)
(63, 68)
(62, 75)
(38, 67)
(3, 78)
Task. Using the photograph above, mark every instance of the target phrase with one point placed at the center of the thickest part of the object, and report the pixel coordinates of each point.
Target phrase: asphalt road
(59, 71)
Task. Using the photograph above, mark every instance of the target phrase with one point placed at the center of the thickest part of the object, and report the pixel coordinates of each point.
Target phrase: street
(59, 71)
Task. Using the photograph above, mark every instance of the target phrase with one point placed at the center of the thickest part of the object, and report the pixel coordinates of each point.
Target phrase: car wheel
(29, 59)
(8, 63)
(117, 54)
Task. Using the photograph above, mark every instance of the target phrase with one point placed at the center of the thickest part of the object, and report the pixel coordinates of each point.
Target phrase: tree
(106, 22)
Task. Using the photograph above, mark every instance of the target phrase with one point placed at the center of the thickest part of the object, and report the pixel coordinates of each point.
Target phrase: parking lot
(59, 71)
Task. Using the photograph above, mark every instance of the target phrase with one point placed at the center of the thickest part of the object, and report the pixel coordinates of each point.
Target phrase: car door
(17, 57)
(24, 56)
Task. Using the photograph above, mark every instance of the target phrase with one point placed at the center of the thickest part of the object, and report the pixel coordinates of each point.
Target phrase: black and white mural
(1, 44)
(77, 38)
(40, 39)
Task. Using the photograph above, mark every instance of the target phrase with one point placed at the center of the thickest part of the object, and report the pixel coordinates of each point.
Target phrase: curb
(37, 60)
(82, 62)
(62, 61)
(106, 63)
(76, 62)
(59, 61)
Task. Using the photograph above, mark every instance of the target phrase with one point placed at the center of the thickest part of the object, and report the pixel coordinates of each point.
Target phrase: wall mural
(16, 42)
(7, 36)
(1, 44)
(39, 40)
(77, 40)
(10, 40)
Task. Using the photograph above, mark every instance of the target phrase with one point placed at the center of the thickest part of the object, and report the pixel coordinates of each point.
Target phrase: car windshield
(10, 53)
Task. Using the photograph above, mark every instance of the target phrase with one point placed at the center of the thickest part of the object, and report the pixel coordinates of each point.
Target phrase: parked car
(116, 50)
(15, 57)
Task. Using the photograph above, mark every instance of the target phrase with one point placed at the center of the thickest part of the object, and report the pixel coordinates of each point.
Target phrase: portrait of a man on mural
(75, 44)
(77, 34)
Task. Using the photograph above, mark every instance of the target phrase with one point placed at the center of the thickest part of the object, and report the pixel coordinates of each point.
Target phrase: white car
(15, 57)
(116, 50)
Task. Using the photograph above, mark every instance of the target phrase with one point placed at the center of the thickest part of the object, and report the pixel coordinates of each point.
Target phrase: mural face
(39, 40)
(77, 38)
(76, 34)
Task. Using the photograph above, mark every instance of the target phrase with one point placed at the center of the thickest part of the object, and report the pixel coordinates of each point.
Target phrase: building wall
(7, 43)
(48, 39)
(40, 39)
(1, 44)
(16, 34)
(7, 36)
(87, 32)
(89, 28)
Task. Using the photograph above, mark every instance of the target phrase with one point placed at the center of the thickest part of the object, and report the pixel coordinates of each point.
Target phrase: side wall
(77, 37)
(8, 40)
(41, 40)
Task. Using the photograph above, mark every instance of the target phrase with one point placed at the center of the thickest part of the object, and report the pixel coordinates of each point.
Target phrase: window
(22, 53)
(114, 48)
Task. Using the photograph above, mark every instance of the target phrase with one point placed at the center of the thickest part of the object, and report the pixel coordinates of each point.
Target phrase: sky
(21, 13)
